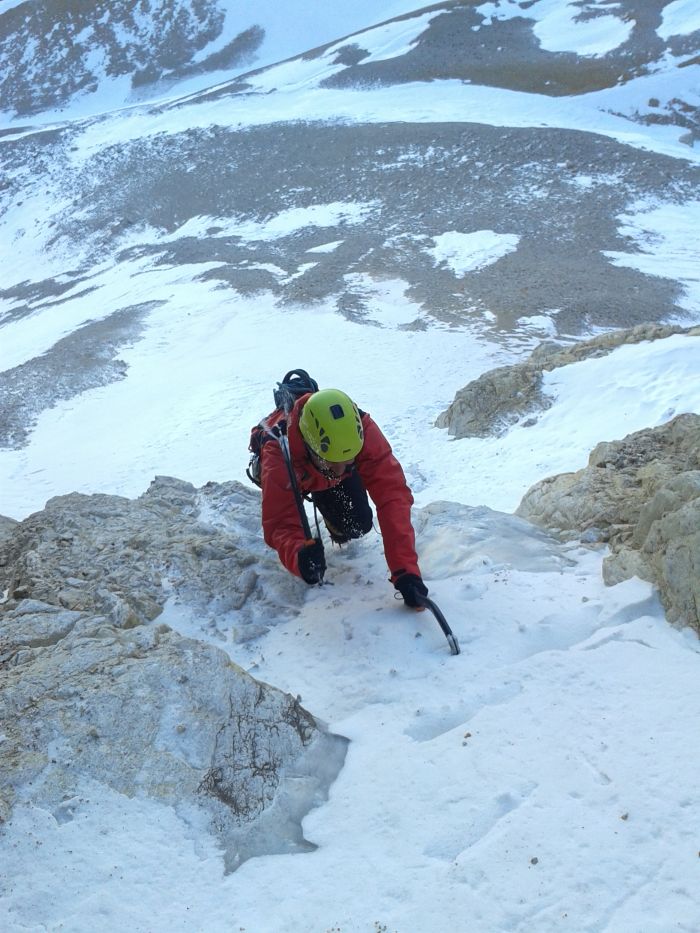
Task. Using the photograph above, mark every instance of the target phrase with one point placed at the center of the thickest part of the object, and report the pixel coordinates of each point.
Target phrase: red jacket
(380, 472)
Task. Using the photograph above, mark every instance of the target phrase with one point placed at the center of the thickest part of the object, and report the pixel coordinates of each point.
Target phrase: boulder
(494, 401)
(641, 496)
(95, 691)
(125, 558)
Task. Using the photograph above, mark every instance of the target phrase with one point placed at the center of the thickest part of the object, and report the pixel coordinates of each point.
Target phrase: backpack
(296, 383)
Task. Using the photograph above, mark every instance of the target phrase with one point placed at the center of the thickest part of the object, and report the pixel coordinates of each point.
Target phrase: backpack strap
(260, 434)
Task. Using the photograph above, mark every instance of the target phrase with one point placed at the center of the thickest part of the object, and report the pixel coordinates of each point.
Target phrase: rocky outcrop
(641, 496)
(125, 558)
(93, 690)
(50, 54)
(7, 527)
(492, 403)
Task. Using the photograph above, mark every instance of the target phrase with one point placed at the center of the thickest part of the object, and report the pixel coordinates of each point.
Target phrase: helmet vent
(337, 411)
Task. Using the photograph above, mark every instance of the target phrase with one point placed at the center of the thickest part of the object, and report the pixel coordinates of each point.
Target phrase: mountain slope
(400, 205)
(89, 57)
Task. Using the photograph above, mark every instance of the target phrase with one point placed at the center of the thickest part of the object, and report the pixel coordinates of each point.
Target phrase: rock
(125, 558)
(95, 691)
(147, 712)
(494, 401)
(7, 527)
(672, 549)
(498, 399)
(642, 495)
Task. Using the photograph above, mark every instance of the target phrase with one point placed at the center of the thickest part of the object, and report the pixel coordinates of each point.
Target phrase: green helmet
(330, 424)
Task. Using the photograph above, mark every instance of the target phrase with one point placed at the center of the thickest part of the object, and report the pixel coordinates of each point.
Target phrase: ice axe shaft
(442, 621)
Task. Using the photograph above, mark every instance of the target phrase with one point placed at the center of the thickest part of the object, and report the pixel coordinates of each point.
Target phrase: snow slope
(543, 780)
(104, 57)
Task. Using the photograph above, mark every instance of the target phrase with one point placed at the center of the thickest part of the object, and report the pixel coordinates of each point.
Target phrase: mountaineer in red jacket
(338, 456)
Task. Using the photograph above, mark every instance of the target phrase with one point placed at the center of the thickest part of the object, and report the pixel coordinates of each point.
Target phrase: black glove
(410, 586)
(312, 561)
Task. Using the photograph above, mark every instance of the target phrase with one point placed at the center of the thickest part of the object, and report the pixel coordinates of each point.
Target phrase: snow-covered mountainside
(336, 183)
(424, 206)
(90, 57)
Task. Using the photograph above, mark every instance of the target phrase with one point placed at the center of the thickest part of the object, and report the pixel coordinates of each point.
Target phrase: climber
(333, 454)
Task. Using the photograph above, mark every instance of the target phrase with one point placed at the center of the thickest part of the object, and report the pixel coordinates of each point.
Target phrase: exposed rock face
(641, 495)
(123, 558)
(93, 692)
(75, 45)
(497, 399)
(7, 526)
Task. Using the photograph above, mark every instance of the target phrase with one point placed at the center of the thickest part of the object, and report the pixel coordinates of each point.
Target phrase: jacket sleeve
(280, 518)
(386, 484)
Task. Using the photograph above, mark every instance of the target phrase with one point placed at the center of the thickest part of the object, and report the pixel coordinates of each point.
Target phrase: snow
(393, 39)
(541, 777)
(679, 18)
(183, 364)
(539, 780)
(275, 227)
(562, 26)
(584, 28)
(667, 238)
(382, 42)
(636, 386)
(545, 779)
(469, 252)
(297, 97)
(325, 247)
(562, 29)
(387, 302)
(313, 23)
(291, 91)
(26, 231)
(7, 5)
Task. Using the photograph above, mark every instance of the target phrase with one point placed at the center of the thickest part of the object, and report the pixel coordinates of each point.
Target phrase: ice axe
(428, 603)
